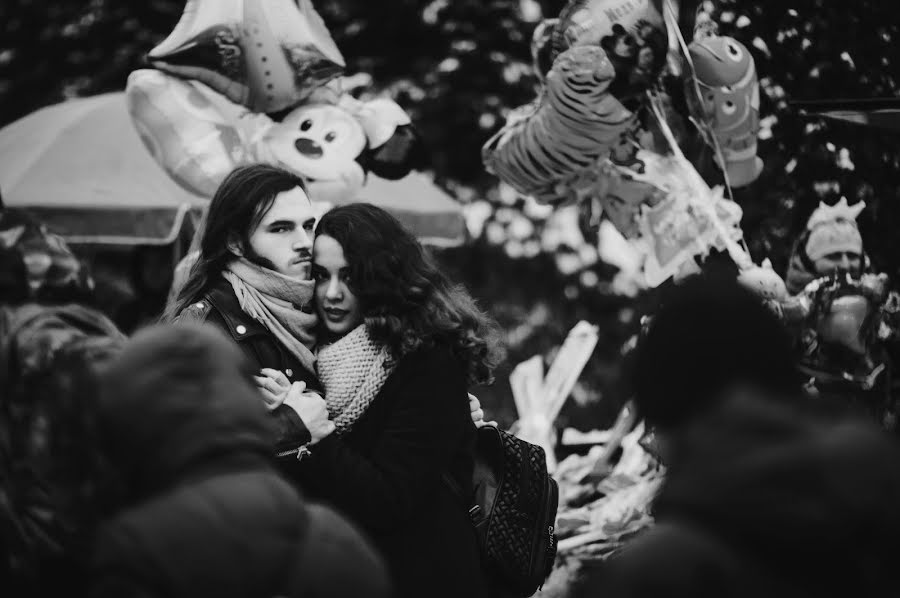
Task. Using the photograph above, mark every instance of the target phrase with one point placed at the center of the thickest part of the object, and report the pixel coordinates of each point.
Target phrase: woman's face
(338, 308)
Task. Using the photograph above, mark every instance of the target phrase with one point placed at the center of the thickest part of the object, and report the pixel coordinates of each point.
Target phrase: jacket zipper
(300, 451)
(537, 554)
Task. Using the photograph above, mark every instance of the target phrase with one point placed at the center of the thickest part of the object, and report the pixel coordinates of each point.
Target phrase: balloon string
(704, 127)
(741, 258)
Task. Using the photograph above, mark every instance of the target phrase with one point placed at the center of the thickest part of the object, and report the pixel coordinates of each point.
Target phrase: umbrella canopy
(420, 205)
(881, 113)
(81, 167)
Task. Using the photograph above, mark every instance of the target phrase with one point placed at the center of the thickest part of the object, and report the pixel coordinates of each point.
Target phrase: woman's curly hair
(407, 302)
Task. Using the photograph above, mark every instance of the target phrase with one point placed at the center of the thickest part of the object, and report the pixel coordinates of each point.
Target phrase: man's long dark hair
(239, 204)
(407, 302)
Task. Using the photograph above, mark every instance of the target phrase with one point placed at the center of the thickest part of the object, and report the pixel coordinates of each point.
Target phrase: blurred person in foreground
(203, 510)
(767, 493)
(56, 486)
(48, 335)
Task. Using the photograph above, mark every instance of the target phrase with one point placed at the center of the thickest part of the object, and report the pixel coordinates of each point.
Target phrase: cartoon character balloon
(348, 139)
(549, 145)
(632, 32)
(729, 102)
(267, 55)
(198, 136)
(594, 62)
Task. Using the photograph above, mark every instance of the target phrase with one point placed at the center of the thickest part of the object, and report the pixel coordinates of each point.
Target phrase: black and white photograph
(449, 298)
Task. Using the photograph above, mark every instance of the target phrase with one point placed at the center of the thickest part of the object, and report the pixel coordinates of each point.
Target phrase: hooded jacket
(771, 499)
(205, 512)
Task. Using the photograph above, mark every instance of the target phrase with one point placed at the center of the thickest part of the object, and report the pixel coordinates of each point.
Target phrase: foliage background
(458, 66)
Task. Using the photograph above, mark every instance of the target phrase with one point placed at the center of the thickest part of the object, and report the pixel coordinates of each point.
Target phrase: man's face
(840, 261)
(283, 239)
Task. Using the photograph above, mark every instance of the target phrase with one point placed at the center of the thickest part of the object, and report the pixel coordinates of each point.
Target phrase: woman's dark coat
(386, 475)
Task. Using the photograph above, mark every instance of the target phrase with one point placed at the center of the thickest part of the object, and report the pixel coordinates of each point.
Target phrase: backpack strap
(472, 509)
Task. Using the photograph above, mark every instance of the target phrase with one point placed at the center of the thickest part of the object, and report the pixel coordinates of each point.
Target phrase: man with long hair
(251, 280)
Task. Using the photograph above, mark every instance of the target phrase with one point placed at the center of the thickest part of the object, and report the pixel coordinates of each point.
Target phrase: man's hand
(274, 386)
(478, 413)
(312, 409)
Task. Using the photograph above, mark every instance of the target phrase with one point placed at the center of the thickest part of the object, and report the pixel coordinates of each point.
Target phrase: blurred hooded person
(37, 265)
(49, 337)
(766, 494)
(709, 336)
(205, 513)
(55, 483)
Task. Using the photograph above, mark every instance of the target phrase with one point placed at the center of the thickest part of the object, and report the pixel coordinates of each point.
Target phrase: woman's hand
(312, 409)
(274, 386)
(478, 413)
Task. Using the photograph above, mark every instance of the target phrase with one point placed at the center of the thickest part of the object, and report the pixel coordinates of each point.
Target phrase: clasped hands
(309, 405)
(312, 409)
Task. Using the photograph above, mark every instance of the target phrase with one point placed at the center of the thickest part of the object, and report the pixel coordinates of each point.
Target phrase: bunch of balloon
(595, 62)
(603, 132)
(239, 82)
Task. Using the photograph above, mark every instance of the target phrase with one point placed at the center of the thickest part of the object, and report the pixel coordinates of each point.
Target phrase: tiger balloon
(560, 140)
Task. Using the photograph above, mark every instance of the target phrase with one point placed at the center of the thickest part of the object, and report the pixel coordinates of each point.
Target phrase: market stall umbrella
(881, 113)
(82, 168)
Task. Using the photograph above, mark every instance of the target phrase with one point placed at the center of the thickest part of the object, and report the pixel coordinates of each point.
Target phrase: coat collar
(240, 325)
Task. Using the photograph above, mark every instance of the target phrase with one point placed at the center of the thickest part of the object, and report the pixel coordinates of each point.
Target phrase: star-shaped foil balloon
(267, 55)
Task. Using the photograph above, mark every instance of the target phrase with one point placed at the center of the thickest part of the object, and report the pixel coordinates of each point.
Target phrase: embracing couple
(356, 309)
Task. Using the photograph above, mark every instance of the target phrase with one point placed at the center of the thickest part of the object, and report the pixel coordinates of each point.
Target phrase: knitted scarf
(282, 304)
(352, 369)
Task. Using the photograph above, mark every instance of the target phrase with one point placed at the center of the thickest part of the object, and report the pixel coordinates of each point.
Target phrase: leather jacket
(219, 307)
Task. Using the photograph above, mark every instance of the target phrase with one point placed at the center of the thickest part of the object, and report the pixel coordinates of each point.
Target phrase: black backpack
(513, 510)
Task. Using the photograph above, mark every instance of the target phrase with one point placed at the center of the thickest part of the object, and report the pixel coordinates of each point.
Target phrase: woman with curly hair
(399, 344)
